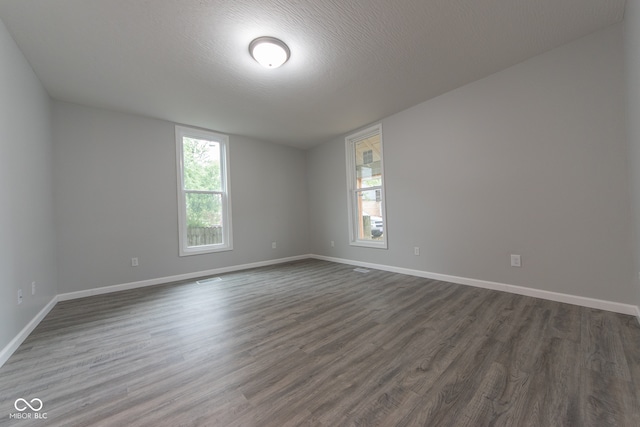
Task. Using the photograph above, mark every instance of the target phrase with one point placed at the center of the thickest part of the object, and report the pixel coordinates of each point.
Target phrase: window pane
(204, 219)
(368, 166)
(201, 164)
(369, 215)
(365, 186)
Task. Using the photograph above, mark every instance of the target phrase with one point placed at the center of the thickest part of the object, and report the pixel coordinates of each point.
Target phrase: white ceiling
(353, 61)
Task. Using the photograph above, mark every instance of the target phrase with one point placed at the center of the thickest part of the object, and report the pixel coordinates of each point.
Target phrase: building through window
(367, 224)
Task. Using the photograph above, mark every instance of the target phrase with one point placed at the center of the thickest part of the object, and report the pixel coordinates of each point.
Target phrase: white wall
(116, 198)
(530, 161)
(26, 217)
(632, 56)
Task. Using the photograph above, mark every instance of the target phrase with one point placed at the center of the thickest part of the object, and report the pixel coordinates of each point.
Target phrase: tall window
(365, 184)
(204, 205)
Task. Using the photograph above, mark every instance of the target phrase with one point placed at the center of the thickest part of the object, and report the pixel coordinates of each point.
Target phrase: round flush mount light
(269, 52)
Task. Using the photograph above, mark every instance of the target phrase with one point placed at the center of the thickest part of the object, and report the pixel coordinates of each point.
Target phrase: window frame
(227, 235)
(352, 191)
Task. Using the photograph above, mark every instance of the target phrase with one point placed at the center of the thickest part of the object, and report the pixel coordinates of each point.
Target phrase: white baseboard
(615, 307)
(13, 345)
(176, 278)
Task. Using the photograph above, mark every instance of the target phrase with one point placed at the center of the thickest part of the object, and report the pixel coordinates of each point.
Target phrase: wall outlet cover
(516, 261)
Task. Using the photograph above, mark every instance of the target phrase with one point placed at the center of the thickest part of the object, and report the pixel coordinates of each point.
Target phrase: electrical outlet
(516, 261)
(416, 251)
(333, 244)
(134, 262)
(273, 245)
(19, 296)
(33, 288)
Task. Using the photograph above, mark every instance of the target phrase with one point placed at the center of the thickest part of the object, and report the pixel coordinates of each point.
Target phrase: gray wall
(632, 56)
(26, 217)
(530, 161)
(116, 198)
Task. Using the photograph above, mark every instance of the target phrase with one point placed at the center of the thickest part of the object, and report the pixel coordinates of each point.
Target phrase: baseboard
(615, 307)
(176, 278)
(13, 345)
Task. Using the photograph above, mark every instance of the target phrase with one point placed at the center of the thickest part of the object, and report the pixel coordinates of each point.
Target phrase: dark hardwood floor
(315, 343)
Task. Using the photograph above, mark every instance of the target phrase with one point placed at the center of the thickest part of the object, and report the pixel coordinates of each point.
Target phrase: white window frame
(227, 240)
(352, 192)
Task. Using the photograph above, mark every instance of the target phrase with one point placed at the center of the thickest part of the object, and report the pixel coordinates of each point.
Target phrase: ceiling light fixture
(269, 52)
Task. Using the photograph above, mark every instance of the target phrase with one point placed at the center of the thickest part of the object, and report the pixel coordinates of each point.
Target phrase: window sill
(365, 244)
(204, 250)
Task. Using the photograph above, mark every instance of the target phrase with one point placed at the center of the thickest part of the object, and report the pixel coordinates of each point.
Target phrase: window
(367, 157)
(204, 205)
(365, 187)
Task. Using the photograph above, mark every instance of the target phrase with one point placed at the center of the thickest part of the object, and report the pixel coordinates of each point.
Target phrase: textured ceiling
(353, 61)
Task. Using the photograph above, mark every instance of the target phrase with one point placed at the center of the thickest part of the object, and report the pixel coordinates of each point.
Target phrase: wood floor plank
(314, 343)
(485, 406)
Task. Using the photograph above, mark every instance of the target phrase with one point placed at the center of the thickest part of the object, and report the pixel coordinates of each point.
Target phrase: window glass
(366, 189)
(204, 212)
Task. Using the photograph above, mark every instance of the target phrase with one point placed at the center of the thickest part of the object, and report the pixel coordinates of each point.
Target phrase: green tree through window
(202, 172)
(204, 212)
